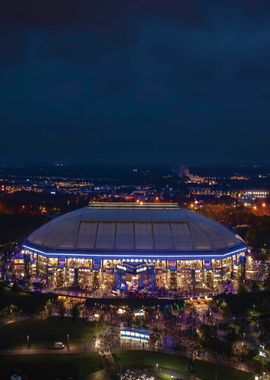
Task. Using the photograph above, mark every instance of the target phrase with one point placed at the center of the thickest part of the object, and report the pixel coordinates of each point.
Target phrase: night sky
(135, 81)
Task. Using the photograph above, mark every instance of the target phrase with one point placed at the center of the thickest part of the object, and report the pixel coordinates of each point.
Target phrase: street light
(68, 341)
(28, 341)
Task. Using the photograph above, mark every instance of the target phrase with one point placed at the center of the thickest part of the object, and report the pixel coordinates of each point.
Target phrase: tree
(208, 335)
(267, 282)
(255, 286)
(242, 289)
(15, 286)
(62, 310)
(49, 308)
(75, 311)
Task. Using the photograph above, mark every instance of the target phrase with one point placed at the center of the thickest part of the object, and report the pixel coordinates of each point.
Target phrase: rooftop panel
(133, 227)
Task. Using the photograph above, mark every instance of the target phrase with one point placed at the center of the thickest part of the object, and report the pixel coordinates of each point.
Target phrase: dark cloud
(63, 13)
(135, 80)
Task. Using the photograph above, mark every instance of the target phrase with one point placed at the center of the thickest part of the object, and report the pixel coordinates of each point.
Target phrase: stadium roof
(134, 228)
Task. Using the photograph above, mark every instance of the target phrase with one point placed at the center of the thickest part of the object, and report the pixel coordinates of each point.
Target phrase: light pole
(68, 342)
(28, 341)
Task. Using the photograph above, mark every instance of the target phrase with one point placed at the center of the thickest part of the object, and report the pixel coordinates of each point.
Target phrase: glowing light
(137, 335)
(158, 256)
(140, 313)
(121, 311)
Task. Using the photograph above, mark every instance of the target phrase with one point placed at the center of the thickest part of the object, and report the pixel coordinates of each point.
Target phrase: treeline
(252, 228)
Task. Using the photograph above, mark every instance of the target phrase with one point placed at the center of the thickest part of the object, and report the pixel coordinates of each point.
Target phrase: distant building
(255, 194)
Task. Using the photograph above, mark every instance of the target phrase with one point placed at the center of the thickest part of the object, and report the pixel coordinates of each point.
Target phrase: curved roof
(120, 227)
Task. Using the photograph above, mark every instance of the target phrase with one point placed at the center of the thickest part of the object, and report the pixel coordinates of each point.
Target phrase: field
(26, 302)
(43, 333)
(204, 370)
(49, 367)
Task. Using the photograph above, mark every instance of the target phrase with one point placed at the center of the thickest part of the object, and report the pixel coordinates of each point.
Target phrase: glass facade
(181, 276)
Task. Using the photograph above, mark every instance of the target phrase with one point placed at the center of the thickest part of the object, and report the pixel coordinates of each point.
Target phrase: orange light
(254, 207)
(264, 204)
(157, 199)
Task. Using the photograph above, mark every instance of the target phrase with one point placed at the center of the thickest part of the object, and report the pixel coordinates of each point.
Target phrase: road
(73, 349)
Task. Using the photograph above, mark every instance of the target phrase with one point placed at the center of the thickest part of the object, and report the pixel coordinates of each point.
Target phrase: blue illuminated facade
(151, 248)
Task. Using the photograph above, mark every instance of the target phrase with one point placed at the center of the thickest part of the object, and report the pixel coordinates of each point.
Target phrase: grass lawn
(49, 367)
(148, 358)
(27, 302)
(165, 376)
(43, 333)
(204, 370)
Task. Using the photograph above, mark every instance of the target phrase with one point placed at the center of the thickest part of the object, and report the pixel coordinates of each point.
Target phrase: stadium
(151, 248)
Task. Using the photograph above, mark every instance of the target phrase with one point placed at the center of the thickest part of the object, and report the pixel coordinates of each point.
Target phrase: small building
(134, 336)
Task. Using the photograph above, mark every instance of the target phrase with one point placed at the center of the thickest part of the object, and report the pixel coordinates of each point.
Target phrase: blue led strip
(123, 255)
